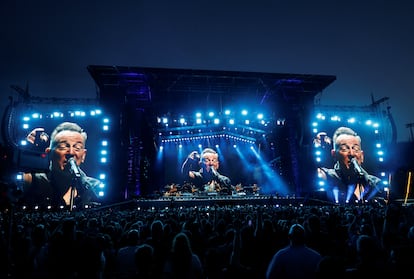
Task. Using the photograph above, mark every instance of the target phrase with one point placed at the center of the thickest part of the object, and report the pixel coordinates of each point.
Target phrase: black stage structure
(134, 96)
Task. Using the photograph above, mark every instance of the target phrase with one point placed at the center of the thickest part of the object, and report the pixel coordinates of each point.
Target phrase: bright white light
(320, 116)
(335, 118)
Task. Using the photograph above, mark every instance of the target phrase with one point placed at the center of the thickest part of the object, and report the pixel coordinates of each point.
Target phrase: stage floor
(219, 200)
(191, 200)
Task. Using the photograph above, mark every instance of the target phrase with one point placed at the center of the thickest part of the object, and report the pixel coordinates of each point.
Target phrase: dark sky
(367, 45)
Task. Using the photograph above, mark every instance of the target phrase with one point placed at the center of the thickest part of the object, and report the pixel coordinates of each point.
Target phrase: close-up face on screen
(350, 143)
(30, 131)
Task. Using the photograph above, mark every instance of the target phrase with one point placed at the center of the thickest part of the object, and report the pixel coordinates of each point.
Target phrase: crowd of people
(220, 241)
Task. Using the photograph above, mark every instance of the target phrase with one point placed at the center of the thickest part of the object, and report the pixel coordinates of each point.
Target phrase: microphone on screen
(73, 167)
(214, 172)
(357, 167)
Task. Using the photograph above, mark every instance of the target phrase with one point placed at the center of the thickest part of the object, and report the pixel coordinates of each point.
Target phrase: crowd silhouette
(219, 241)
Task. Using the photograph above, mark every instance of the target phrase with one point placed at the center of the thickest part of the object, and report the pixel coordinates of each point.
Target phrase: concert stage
(218, 200)
(185, 201)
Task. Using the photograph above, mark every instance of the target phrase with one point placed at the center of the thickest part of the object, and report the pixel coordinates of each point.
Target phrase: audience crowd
(220, 241)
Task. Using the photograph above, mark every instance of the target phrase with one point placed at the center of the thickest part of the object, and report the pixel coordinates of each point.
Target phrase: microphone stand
(360, 176)
(74, 169)
(360, 188)
(76, 180)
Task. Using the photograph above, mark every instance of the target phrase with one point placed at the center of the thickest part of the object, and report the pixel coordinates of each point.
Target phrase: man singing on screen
(65, 183)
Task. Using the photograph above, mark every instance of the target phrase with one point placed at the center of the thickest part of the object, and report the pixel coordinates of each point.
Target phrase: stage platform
(230, 200)
(217, 200)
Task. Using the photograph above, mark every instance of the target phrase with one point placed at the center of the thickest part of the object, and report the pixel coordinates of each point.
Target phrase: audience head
(296, 235)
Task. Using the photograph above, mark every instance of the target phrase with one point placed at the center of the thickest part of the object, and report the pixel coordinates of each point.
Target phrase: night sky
(367, 45)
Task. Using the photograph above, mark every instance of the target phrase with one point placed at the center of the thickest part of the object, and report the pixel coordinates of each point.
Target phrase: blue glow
(47, 120)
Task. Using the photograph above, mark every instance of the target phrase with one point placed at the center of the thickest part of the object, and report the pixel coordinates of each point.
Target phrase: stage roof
(171, 88)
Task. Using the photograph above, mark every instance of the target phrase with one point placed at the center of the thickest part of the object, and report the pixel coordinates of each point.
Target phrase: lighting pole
(410, 126)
